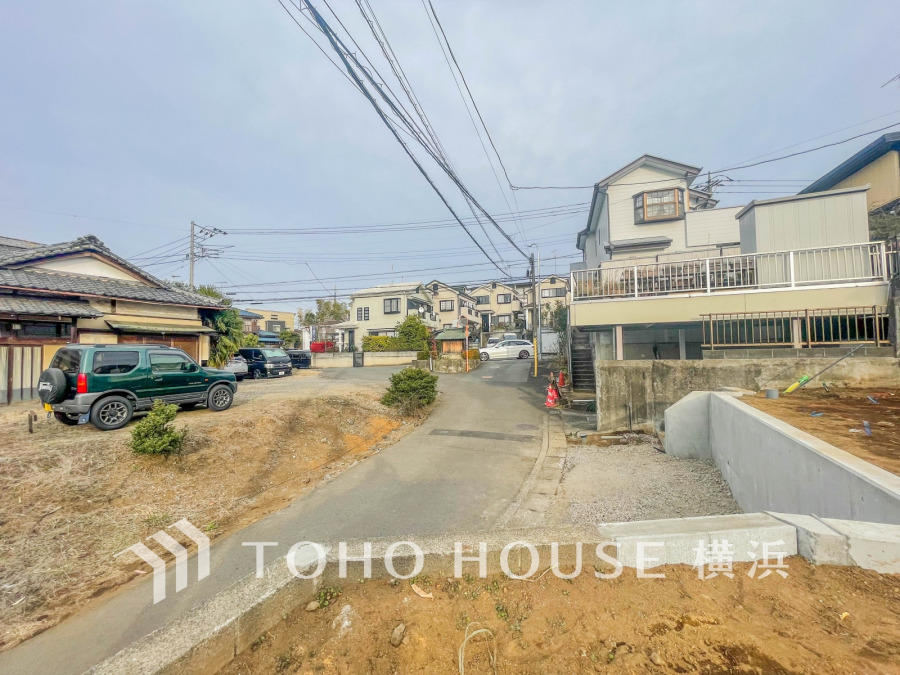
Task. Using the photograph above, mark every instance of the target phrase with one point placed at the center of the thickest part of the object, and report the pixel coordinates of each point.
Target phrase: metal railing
(852, 263)
(799, 328)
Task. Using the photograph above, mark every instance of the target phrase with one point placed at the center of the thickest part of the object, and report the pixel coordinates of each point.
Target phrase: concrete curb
(207, 638)
(829, 541)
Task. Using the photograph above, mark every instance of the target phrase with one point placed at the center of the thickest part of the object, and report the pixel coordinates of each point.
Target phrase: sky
(130, 120)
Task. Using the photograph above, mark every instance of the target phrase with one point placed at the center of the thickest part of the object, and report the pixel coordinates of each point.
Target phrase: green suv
(106, 384)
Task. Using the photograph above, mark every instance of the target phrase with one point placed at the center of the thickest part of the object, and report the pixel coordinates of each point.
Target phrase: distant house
(378, 310)
(80, 291)
(455, 307)
(554, 289)
(250, 321)
(499, 304)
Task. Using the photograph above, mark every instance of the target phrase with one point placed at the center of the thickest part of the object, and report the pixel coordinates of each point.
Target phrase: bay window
(658, 205)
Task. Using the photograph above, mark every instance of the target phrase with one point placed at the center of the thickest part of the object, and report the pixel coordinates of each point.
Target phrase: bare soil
(845, 410)
(819, 620)
(73, 497)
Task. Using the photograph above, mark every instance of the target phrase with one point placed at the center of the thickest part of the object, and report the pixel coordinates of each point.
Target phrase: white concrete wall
(771, 466)
(345, 359)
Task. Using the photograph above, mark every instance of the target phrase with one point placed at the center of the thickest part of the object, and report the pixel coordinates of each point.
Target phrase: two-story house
(553, 289)
(499, 304)
(80, 291)
(455, 307)
(665, 275)
(378, 310)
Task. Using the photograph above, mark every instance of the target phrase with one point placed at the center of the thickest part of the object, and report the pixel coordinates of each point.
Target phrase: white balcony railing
(855, 263)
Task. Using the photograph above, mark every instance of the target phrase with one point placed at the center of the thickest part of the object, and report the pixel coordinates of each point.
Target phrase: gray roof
(15, 274)
(11, 245)
(25, 279)
(47, 307)
(642, 242)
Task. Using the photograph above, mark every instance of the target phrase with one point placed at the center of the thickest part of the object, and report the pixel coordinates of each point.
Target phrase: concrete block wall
(648, 388)
(772, 466)
(345, 359)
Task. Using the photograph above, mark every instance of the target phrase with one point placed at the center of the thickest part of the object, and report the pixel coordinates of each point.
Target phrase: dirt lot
(825, 620)
(844, 410)
(606, 481)
(72, 497)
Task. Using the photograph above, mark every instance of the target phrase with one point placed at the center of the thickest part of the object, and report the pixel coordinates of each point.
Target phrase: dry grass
(71, 498)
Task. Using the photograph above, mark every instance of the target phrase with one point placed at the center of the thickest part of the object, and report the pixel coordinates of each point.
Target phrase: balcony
(870, 262)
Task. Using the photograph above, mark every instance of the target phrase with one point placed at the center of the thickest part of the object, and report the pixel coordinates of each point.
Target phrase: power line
(804, 152)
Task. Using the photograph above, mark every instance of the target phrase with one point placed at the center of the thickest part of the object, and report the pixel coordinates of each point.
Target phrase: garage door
(191, 345)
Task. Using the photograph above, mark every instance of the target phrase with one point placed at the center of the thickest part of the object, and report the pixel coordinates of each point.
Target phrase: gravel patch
(620, 483)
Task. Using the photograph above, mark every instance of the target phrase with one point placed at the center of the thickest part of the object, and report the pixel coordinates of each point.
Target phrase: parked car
(508, 349)
(266, 362)
(300, 358)
(237, 364)
(107, 384)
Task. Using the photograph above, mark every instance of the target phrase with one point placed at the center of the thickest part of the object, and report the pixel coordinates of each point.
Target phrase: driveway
(458, 471)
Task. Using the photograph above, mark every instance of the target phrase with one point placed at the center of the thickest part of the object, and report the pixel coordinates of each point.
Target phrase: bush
(471, 353)
(411, 389)
(153, 435)
(412, 334)
(423, 355)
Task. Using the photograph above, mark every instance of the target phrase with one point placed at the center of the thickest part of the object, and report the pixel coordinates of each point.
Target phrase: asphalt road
(457, 472)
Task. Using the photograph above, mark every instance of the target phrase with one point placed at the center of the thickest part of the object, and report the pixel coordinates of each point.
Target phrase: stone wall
(647, 388)
(448, 365)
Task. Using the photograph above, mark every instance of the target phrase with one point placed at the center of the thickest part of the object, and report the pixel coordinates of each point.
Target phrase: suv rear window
(115, 362)
(67, 360)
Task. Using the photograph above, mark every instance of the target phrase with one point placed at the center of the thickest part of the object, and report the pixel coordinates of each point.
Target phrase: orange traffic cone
(562, 379)
(552, 397)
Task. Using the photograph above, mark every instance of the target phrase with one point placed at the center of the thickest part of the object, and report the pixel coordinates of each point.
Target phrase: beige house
(499, 305)
(554, 289)
(455, 307)
(378, 310)
(792, 272)
(80, 291)
(876, 165)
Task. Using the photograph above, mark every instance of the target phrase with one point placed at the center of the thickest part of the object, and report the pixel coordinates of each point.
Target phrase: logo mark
(181, 557)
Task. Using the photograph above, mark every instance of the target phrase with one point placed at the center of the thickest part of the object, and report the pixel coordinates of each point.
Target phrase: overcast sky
(140, 117)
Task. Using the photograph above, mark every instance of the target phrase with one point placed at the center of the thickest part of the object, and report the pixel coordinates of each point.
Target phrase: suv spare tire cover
(52, 386)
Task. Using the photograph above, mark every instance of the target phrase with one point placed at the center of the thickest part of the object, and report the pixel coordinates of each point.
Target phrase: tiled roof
(15, 273)
(247, 314)
(47, 307)
(100, 286)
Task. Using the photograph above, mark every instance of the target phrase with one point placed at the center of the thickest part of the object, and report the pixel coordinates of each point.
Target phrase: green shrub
(382, 343)
(153, 435)
(411, 389)
(423, 355)
(472, 353)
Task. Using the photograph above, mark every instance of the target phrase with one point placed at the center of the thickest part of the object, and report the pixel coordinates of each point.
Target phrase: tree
(250, 340)
(227, 324)
(557, 318)
(290, 338)
(412, 333)
(328, 313)
(883, 225)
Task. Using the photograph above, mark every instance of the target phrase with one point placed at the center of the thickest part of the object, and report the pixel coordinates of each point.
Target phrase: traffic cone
(551, 397)
(562, 379)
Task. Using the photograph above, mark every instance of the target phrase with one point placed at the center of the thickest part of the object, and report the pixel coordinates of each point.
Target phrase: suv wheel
(220, 398)
(68, 419)
(110, 413)
(257, 374)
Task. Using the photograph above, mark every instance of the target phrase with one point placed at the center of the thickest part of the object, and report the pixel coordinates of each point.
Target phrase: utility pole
(191, 281)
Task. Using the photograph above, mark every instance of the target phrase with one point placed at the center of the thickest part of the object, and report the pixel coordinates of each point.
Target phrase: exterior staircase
(582, 362)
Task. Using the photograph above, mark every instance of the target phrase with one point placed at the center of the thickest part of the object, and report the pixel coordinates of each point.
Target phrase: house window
(448, 325)
(446, 305)
(553, 292)
(504, 298)
(392, 305)
(504, 319)
(658, 205)
(276, 326)
(482, 299)
(362, 313)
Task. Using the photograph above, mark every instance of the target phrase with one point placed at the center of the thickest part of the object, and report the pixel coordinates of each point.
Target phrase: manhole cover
(527, 426)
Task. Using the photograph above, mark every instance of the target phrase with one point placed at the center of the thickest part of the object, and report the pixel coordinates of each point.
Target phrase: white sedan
(508, 349)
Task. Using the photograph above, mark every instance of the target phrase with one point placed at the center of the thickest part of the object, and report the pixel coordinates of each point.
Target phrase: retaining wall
(649, 387)
(772, 466)
(446, 365)
(345, 359)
